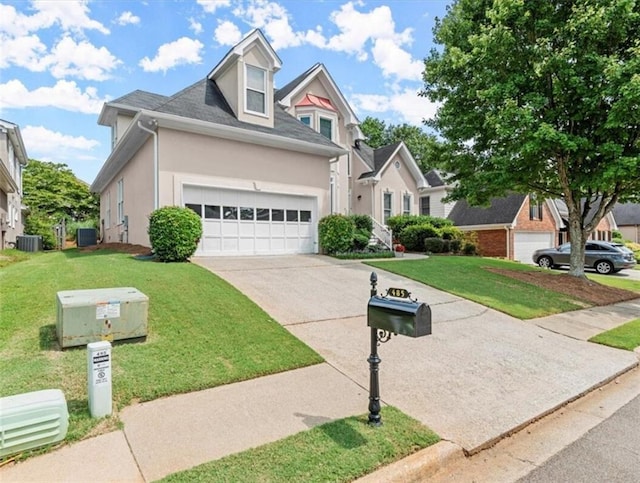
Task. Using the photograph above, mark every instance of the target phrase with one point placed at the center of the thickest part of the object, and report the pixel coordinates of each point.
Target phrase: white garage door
(526, 243)
(238, 222)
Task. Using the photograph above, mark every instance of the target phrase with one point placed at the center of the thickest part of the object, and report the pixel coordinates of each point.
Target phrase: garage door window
(292, 215)
(196, 208)
(246, 214)
(305, 216)
(230, 213)
(262, 214)
(211, 212)
(277, 215)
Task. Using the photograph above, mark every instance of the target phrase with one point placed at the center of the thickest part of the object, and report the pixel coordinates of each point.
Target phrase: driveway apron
(479, 376)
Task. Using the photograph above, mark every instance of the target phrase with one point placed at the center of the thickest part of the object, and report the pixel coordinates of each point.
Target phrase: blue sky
(61, 60)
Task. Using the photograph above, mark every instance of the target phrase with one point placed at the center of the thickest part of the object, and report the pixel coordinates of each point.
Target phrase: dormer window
(326, 127)
(256, 80)
(306, 120)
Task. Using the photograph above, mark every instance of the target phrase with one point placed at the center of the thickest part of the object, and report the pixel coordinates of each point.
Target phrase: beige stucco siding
(397, 181)
(137, 178)
(196, 159)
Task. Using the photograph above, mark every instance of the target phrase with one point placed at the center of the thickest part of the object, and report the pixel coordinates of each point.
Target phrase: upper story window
(326, 127)
(306, 120)
(535, 208)
(256, 98)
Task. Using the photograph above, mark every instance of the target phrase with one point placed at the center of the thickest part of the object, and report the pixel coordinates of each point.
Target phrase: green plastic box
(86, 316)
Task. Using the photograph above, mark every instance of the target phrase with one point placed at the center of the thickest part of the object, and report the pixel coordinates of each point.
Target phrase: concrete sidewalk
(480, 376)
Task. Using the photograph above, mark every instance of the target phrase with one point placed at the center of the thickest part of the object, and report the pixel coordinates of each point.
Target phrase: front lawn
(338, 451)
(202, 332)
(625, 337)
(476, 278)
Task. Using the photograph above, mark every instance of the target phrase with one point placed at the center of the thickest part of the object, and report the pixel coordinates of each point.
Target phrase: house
(431, 203)
(627, 217)
(514, 226)
(13, 159)
(260, 165)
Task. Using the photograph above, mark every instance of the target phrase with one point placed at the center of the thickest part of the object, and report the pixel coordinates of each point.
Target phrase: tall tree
(541, 97)
(52, 193)
(422, 146)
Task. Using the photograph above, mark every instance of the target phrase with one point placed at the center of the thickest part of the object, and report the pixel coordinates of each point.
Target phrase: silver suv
(604, 257)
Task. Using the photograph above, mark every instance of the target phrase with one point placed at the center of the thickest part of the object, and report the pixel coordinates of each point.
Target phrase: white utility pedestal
(99, 378)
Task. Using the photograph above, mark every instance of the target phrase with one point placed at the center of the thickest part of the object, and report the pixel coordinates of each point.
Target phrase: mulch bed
(582, 289)
(118, 247)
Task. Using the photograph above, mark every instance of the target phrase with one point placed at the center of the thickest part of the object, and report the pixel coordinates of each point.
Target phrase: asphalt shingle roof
(501, 210)
(627, 214)
(204, 101)
(434, 179)
(375, 158)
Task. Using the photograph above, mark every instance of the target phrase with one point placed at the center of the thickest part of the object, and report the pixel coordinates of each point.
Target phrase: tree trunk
(578, 239)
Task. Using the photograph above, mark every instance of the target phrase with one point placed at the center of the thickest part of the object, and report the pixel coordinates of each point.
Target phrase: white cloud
(227, 33)
(44, 141)
(405, 104)
(128, 18)
(71, 59)
(70, 15)
(395, 61)
(180, 52)
(210, 6)
(25, 51)
(63, 95)
(195, 26)
(274, 20)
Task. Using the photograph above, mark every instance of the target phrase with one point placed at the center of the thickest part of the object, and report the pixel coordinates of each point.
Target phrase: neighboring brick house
(514, 226)
(13, 159)
(627, 216)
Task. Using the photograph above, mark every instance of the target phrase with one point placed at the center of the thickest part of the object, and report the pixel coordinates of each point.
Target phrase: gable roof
(378, 159)
(627, 214)
(254, 37)
(500, 211)
(434, 178)
(318, 71)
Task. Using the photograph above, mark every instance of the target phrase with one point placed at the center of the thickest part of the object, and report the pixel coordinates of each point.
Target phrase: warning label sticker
(107, 310)
(101, 368)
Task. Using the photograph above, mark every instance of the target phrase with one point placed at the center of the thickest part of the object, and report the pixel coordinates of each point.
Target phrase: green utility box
(86, 316)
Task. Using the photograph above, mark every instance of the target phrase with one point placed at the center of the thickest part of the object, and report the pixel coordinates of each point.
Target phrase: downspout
(508, 242)
(154, 123)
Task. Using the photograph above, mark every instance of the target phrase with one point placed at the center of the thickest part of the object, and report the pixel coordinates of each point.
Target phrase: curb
(418, 466)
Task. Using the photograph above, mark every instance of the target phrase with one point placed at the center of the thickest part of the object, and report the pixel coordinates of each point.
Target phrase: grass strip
(625, 337)
(202, 333)
(337, 451)
(468, 278)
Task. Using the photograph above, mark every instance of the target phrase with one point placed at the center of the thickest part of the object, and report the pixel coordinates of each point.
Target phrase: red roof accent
(317, 101)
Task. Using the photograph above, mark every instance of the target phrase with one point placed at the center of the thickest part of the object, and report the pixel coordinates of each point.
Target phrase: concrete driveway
(479, 376)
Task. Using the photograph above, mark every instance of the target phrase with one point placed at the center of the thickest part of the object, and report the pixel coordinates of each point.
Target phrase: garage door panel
(528, 242)
(245, 222)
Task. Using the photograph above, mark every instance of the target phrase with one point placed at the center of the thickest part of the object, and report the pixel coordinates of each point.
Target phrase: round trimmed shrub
(454, 245)
(174, 233)
(449, 232)
(469, 248)
(363, 223)
(335, 233)
(412, 237)
(434, 245)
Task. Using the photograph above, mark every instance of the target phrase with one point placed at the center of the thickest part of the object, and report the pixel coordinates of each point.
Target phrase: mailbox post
(394, 313)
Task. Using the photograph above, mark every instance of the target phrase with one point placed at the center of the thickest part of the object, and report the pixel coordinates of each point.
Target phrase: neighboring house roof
(434, 178)
(13, 130)
(563, 210)
(378, 159)
(627, 214)
(501, 211)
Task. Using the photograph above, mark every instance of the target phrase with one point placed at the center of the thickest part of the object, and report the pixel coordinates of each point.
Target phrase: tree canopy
(421, 145)
(540, 97)
(52, 193)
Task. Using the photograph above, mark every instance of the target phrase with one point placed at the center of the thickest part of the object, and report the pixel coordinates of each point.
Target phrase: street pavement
(480, 376)
(610, 453)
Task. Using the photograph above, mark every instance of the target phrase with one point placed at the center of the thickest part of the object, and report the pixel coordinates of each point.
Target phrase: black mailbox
(404, 317)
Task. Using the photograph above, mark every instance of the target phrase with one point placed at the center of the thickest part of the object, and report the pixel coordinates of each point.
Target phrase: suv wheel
(603, 267)
(545, 262)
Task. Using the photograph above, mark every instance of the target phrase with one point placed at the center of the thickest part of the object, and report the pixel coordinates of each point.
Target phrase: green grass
(617, 282)
(467, 277)
(202, 332)
(339, 451)
(626, 336)
(11, 256)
